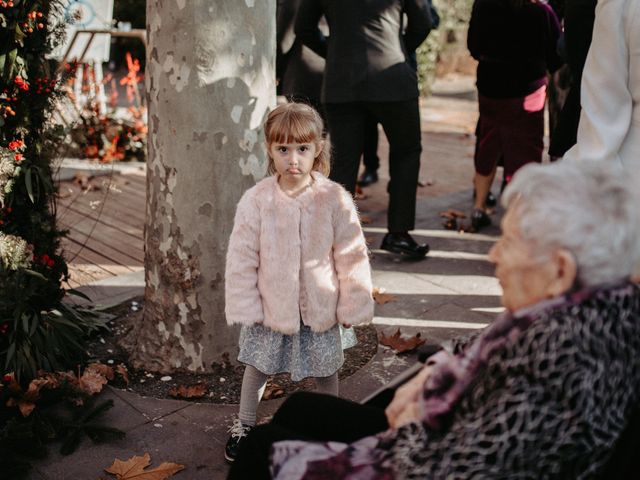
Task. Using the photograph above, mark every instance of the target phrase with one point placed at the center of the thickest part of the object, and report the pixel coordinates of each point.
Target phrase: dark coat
(367, 52)
(298, 68)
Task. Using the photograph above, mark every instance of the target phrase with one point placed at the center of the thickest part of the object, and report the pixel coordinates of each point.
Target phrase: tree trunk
(210, 82)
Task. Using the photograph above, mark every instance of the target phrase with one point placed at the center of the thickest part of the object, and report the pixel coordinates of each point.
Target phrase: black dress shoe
(367, 178)
(404, 244)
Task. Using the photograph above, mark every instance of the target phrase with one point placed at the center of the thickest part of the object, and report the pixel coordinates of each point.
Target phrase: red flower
(7, 378)
(17, 157)
(51, 264)
(15, 144)
(21, 83)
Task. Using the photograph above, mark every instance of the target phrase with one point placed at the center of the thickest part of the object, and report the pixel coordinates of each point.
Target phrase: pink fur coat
(297, 257)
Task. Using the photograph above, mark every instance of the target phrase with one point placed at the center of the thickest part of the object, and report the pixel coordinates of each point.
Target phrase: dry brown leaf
(400, 344)
(272, 390)
(91, 382)
(382, 298)
(450, 224)
(134, 468)
(27, 400)
(105, 370)
(24, 406)
(121, 370)
(453, 213)
(192, 391)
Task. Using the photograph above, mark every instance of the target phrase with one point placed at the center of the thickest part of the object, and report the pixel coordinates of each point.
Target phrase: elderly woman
(543, 392)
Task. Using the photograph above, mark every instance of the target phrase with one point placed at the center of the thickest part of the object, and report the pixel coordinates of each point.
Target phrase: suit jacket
(610, 120)
(367, 50)
(298, 68)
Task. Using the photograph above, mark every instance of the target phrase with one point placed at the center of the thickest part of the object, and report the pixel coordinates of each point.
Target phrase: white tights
(254, 383)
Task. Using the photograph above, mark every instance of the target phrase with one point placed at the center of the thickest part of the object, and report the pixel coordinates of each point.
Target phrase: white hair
(586, 207)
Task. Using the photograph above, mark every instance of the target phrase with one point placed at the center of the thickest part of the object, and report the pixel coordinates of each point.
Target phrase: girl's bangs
(293, 127)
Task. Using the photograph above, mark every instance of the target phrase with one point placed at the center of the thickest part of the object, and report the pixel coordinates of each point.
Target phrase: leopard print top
(551, 405)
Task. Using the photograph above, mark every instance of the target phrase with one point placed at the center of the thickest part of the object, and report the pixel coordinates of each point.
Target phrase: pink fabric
(302, 257)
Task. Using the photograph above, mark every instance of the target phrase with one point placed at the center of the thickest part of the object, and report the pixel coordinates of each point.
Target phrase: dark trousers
(401, 124)
(306, 416)
(370, 151)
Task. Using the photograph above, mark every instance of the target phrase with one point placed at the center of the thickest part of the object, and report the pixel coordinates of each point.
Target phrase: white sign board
(87, 14)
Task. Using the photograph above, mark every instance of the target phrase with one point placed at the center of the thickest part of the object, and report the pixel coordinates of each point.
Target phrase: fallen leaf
(91, 382)
(381, 298)
(192, 391)
(134, 468)
(450, 224)
(400, 344)
(105, 370)
(452, 213)
(25, 407)
(272, 390)
(121, 370)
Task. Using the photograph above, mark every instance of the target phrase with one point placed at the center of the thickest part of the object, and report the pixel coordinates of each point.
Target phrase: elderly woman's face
(525, 278)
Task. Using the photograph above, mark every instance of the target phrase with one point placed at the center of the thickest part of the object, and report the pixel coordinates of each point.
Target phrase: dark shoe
(479, 219)
(238, 432)
(404, 244)
(491, 200)
(367, 178)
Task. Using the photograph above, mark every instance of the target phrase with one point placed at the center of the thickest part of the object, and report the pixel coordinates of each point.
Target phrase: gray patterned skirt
(303, 354)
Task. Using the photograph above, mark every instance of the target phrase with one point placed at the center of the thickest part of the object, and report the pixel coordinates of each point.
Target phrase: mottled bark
(210, 82)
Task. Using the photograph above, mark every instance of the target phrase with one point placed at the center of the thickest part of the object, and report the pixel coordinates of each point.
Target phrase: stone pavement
(452, 292)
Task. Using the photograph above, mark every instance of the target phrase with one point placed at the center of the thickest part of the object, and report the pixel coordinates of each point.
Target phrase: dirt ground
(222, 385)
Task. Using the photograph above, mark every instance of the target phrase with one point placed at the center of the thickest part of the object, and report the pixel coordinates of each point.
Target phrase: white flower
(15, 252)
(7, 171)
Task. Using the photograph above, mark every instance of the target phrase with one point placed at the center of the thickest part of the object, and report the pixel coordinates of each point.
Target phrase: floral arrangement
(37, 330)
(116, 135)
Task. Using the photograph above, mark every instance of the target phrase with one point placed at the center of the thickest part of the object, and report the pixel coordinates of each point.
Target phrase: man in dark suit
(368, 73)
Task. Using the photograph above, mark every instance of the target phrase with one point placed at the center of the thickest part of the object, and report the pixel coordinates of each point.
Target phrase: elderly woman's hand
(404, 408)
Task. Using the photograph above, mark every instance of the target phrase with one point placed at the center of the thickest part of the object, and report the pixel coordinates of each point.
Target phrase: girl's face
(294, 161)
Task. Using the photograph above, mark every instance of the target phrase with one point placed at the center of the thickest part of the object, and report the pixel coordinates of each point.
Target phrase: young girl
(297, 266)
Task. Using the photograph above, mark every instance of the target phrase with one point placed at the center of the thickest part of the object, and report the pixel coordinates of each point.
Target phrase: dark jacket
(515, 47)
(366, 51)
(298, 69)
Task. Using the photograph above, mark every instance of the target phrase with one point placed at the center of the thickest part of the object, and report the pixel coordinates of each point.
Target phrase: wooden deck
(104, 214)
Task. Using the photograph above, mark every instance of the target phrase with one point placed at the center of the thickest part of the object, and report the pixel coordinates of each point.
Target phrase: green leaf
(29, 184)
(10, 353)
(35, 274)
(19, 36)
(11, 58)
(77, 293)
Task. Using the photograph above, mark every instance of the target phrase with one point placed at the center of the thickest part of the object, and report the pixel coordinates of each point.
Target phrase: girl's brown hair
(298, 123)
